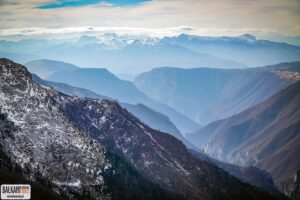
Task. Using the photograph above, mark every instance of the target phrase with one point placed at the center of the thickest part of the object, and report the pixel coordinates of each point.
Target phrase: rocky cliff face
(43, 141)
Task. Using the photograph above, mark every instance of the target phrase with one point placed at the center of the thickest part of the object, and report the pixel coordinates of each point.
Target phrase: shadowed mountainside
(266, 135)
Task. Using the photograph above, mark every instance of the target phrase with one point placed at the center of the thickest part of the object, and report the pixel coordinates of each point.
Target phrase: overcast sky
(157, 17)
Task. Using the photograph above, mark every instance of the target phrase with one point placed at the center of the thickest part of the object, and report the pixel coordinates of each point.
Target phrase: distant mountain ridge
(100, 81)
(206, 94)
(49, 67)
(67, 89)
(245, 48)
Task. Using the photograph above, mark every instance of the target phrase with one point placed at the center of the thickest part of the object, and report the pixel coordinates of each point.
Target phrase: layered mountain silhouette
(84, 148)
(120, 57)
(134, 55)
(266, 135)
(206, 94)
(102, 82)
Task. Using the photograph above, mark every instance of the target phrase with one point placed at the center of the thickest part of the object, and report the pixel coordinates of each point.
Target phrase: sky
(263, 18)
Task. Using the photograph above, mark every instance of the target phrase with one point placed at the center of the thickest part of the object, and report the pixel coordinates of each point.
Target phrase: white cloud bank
(156, 18)
(152, 32)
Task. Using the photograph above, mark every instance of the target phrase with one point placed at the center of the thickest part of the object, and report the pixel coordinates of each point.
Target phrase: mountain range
(119, 59)
(206, 94)
(102, 82)
(160, 122)
(134, 55)
(226, 92)
(266, 135)
(89, 149)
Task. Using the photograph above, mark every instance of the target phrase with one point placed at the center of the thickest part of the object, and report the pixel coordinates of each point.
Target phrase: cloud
(205, 17)
(154, 32)
(131, 31)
